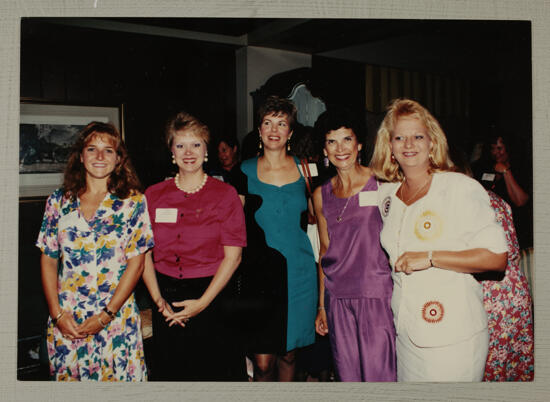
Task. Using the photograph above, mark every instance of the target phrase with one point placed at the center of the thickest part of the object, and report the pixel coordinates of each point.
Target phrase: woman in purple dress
(355, 284)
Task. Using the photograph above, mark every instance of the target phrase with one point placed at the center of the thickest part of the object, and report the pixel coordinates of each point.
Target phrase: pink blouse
(190, 230)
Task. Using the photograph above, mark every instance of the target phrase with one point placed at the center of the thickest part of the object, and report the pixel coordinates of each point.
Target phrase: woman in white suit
(439, 228)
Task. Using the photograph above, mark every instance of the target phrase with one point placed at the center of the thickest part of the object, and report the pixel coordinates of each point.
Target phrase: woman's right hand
(164, 307)
(68, 327)
(321, 322)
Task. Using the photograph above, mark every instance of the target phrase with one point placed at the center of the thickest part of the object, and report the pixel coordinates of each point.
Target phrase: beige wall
(255, 65)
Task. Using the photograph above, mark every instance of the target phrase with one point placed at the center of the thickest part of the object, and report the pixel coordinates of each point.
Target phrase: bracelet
(101, 322)
(109, 313)
(320, 308)
(57, 317)
(430, 254)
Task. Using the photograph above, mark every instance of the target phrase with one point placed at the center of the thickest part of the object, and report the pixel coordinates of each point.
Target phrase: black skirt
(204, 349)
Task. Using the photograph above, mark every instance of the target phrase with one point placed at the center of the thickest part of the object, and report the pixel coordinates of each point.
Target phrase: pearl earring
(260, 144)
(206, 157)
(173, 159)
(288, 144)
(326, 162)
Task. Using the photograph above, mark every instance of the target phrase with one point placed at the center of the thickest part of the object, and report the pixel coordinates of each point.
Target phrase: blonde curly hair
(381, 162)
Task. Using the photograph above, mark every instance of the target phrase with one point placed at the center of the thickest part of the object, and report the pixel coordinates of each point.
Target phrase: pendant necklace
(415, 193)
(339, 217)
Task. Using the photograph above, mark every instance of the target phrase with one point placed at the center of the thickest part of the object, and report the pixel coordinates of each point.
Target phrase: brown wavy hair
(278, 106)
(381, 162)
(123, 181)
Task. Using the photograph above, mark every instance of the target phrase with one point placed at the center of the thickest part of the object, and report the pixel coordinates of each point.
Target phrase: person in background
(199, 230)
(228, 157)
(438, 229)
(509, 307)
(97, 225)
(228, 153)
(508, 303)
(355, 283)
(505, 175)
(278, 261)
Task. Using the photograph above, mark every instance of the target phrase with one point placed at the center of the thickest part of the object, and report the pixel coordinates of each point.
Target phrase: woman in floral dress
(97, 225)
(509, 310)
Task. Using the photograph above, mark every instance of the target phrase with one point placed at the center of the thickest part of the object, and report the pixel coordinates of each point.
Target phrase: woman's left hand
(191, 308)
(412, 261)
(91, 325)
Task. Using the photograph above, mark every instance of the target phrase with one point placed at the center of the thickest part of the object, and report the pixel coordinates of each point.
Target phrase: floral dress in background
(93, 257)
(508, 306)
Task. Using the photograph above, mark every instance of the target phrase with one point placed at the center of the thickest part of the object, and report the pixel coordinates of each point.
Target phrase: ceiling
(435, 45)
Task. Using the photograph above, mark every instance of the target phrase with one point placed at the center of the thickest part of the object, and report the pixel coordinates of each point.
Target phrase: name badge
(220, 178)
(312, 170)
(166, 215)
(488, 177)
(368, 198)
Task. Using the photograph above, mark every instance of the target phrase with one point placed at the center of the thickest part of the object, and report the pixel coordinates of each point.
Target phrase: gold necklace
(415, 193)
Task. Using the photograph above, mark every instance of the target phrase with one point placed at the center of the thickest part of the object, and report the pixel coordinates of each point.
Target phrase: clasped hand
(191, 308)
(412, 261)
(70, 329)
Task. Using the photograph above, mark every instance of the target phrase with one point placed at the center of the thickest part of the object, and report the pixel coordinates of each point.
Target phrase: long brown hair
(122, 182)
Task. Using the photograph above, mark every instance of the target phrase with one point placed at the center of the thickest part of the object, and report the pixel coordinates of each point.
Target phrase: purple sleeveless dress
(358, 288)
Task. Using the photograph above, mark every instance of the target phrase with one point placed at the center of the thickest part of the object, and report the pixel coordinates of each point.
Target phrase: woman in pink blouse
(199, 231)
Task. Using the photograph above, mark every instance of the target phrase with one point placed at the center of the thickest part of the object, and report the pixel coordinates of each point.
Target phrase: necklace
(415, 193)
(339, 217)
(196, 189)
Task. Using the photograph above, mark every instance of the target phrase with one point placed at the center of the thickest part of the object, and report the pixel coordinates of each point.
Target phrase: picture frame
(46, 133)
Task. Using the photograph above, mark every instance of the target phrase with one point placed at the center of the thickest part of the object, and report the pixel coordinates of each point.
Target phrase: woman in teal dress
(278, 260)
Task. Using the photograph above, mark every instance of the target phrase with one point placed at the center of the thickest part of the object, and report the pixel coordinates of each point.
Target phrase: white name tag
(488, 177)
(166, 215)
(312, 170)
(368, 198)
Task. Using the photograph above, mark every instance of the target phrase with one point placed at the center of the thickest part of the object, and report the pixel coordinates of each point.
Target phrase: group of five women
(418, 316)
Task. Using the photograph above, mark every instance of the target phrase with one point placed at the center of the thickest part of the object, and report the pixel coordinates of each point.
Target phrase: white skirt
(460, 362)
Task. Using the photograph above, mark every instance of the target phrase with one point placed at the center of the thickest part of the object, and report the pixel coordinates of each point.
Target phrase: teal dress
(275, 214)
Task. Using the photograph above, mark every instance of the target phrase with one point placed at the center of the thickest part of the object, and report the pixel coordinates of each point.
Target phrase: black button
(181, 276)
(181, 215)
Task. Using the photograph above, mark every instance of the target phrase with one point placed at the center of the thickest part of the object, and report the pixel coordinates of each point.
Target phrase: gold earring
(288, 145)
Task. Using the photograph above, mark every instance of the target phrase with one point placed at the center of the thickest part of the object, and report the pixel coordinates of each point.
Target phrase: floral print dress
(509, 310)
(93, 258)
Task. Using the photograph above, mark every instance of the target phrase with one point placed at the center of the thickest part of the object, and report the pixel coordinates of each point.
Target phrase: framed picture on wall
(46, 134)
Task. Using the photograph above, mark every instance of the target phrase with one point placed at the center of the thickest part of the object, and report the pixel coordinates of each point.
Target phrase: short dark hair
(278, 106)
(334, 119)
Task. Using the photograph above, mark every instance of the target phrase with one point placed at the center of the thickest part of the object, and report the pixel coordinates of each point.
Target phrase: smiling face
(227, 155)
(410, 143)
(275, 131)
(341, 147)
(189, 151)
(99, 156)
(498, 151)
